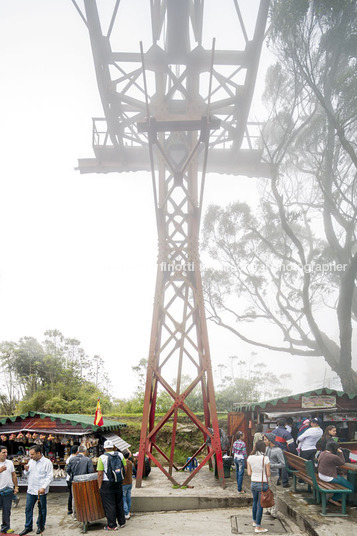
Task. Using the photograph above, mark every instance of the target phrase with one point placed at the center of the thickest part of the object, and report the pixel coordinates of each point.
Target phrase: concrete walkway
(308, 517)
(204, 509)
(213, 522)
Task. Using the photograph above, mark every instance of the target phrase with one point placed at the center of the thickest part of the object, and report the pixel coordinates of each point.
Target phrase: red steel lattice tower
(177, 110)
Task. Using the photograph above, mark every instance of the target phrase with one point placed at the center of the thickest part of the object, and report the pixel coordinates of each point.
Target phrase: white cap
(108, 444)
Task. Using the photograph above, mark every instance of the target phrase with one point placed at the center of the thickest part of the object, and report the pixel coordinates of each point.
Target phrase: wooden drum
(87, 499)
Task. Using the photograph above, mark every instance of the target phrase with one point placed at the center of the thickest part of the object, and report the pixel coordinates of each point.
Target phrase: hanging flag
(98, 418)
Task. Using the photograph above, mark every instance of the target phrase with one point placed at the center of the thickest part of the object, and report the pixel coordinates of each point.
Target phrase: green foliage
(134, 404)
(140, 371)
(246, 383)
(51, 378)
(55, 376)
(163, 402)
(236, 390)
(72, 398)
(249, 382)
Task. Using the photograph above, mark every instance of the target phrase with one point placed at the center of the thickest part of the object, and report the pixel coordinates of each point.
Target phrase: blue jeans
(31, 500)
(239, 473)
(5, 504)
(257, 510)
(127, 498)
(343, 482)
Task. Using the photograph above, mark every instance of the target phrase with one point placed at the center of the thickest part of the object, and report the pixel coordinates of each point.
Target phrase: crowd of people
(115, 472)
(309, 441)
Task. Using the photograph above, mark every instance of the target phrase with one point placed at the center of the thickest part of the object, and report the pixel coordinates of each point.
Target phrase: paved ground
(213, 522)
(295, 506)
(296, 517)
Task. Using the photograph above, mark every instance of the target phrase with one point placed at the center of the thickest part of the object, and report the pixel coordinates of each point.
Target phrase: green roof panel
(85, 421)
(285, 399)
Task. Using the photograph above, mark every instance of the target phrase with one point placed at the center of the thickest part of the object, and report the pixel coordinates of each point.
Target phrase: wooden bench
(296, 466)
(304, 470)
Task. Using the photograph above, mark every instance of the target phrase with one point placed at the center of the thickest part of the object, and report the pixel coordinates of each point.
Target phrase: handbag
(266, 497)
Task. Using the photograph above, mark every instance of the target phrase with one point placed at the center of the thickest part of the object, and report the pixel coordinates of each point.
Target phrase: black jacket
(79, 465)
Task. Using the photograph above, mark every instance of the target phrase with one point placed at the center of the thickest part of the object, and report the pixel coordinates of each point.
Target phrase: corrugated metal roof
(324, 391)
(117, 441)
(74, 419)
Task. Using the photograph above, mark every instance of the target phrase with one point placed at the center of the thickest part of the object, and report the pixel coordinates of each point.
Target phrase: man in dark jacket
(80, 464)
(285, 441)
(283, 438)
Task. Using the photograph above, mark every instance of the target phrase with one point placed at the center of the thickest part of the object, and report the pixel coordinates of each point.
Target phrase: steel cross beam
(179, 330)
(165, 110)
(178, 67)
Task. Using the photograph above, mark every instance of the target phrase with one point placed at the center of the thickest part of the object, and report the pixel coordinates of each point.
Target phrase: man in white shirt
(8, 484)
(40, 475)
(307, 441)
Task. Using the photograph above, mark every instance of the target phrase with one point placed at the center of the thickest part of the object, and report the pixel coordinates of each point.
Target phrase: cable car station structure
(179, 111)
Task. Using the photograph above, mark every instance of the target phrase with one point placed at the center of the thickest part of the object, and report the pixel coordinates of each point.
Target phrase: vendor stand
(56, 433)
(332, 407)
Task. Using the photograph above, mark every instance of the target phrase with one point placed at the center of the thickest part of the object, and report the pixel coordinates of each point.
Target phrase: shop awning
(276, 415)
(267, 404)
(56, 423)
(117, 441)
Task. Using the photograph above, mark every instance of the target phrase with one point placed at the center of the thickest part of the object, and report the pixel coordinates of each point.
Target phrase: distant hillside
(188, 437)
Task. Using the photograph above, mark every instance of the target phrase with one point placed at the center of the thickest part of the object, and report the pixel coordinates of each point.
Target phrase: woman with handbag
(258, 468)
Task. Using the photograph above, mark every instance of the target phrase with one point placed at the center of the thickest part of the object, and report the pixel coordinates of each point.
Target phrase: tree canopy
(240, 382)
(292, 262)
(55, 376)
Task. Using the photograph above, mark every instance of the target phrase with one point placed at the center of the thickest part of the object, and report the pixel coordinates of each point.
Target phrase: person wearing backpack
(111, 472)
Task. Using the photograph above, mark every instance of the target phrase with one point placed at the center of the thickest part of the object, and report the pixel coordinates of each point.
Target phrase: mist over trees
(291, 263)
(237, 382)
(56, 376)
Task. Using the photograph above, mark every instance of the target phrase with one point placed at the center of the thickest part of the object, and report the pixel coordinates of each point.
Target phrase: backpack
(115, 472)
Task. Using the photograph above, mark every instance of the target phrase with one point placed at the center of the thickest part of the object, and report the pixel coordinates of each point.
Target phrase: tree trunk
(344, 314)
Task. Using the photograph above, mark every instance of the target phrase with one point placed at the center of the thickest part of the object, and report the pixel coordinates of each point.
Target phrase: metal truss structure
(178, 110)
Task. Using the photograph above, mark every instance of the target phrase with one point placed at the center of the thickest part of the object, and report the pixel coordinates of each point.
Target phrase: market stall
(332, 407)
(56, 433)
